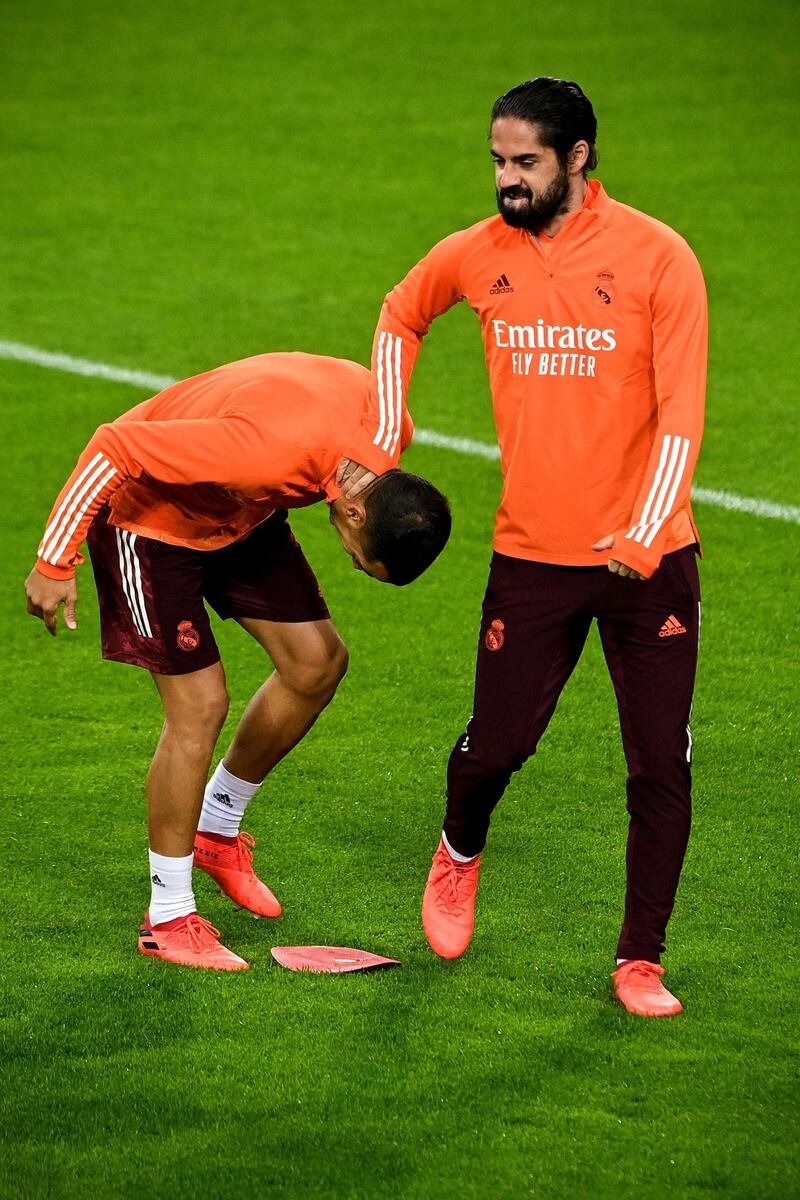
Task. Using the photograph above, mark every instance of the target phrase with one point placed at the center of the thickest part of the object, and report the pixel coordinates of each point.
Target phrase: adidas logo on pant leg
(671, 626)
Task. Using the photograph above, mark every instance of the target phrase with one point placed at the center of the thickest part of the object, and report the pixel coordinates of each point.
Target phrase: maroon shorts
(152, 611)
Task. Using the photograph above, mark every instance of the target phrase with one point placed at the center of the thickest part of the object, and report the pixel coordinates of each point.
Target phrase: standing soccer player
(184, 500)
(595, 328)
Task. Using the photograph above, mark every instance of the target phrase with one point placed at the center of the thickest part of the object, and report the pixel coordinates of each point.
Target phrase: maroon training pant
(536, 618)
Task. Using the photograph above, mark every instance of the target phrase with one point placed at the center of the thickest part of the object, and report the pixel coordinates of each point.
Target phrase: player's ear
(578, 156)
(355, 512)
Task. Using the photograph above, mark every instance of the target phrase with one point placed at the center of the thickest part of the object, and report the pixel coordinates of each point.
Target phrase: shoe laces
(453, 886)
(246, 842)
(646, 970)
(199, 931)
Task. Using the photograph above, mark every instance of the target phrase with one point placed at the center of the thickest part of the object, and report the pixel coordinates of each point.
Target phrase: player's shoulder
(293, 363)
(294, 366)
(488, 231)
(463, 251)
(648, 233)
(302, 363)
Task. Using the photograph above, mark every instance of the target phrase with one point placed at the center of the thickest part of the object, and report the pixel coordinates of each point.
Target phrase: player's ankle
(171, 894)
(224, 803)
(456, 855)
(221, 839)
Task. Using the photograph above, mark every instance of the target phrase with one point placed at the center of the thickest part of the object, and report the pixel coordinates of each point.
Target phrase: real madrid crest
(495, 637)
(604, 291)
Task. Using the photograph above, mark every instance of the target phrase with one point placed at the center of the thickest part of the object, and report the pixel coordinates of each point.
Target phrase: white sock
(171, 892)
(225, 800)
(620, 961)
(459, 858)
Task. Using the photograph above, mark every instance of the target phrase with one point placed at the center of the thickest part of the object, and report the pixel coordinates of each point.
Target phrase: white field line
(82, 366)
(424, 437)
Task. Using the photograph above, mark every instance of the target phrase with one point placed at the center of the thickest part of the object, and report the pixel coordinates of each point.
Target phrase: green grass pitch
(188, 183)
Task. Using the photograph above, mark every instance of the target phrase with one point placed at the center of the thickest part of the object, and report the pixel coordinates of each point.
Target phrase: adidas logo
(223, 798)
(502, 285)
(671, 626)
(154, 879)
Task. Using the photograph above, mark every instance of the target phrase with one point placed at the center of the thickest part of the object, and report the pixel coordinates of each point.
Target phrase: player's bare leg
(310, 659)
(195, 707)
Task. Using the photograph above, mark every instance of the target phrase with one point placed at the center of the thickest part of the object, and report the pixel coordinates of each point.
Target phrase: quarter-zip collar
(594, 214)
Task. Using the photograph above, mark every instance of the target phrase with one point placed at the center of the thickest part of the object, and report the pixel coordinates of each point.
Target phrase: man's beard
(538, 211)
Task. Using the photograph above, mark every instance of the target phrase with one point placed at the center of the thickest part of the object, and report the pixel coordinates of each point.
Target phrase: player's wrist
(631, 555)
(53, 572)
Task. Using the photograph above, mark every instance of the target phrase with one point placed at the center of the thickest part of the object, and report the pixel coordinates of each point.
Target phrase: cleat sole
(240, 907)
(243, 908)
(193, 966)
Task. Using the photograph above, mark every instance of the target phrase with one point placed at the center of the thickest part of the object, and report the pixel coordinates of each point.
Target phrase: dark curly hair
(407, 524)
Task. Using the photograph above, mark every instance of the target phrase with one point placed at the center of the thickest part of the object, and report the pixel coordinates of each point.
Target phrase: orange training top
(209, 458)
(596, 350)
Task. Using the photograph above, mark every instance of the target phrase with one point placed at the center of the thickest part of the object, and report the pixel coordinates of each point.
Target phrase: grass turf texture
(190, 184)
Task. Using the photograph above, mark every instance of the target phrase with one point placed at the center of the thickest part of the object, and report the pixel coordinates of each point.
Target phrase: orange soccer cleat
(638, 986)
(190, 941)
(448, 907)
(229, 862)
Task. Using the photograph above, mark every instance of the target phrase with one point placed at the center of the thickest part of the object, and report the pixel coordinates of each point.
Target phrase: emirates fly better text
(542, 349)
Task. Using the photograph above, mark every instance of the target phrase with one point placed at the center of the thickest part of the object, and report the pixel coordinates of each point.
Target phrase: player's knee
(661, 782)
(320, 677)
(338, 663)
(661, 766)
(500, 764)
(324, 678)
(215, 710)
(490, 758)
(198, 723)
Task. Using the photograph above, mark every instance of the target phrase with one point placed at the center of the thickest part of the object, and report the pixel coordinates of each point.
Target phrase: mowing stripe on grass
(425, 437)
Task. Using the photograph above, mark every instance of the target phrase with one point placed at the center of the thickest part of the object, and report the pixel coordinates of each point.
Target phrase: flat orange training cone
(331, 960)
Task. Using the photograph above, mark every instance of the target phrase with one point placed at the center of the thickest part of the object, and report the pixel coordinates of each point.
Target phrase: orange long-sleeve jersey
(595, 345)
(205, 461)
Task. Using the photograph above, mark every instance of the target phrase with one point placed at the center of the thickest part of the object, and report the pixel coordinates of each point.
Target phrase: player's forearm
(680, 352)
(669, 475)
(383, 431)
(667, 481)
(428, 290)
(95, 478)
(115, 453)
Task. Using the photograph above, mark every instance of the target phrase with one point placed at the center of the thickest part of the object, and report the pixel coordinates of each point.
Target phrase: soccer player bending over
(183, 500)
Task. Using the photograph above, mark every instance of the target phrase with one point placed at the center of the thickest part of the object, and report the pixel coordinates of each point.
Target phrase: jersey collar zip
(579, 227)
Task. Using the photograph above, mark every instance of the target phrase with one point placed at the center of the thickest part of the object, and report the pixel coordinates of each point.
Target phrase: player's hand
(45, 597)
(614, 565)
(352, 478)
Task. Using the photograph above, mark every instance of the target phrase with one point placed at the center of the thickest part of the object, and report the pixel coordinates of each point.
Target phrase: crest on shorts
(188, 637)
(495, 635)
